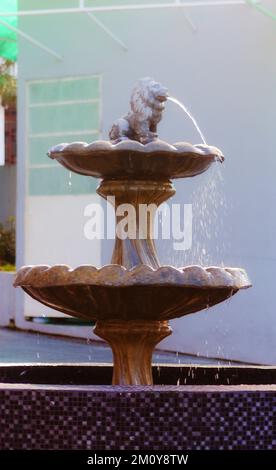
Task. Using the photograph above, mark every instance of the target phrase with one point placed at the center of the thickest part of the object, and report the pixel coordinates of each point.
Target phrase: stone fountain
(132, 299)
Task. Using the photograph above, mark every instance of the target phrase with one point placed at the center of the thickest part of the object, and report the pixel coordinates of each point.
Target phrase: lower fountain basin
(141, 293)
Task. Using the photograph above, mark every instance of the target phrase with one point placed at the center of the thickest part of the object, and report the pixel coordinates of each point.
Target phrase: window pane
(60, 111)
(39, 146)
(64, 90)
(64, 118)
(56, 181)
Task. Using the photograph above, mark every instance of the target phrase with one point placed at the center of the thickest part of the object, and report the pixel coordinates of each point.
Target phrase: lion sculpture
(147, 104)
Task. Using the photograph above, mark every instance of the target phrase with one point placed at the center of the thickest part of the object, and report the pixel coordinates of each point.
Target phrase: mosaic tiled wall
(158, 418)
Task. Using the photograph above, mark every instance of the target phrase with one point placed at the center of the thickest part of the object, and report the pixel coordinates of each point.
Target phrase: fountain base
(132, 344)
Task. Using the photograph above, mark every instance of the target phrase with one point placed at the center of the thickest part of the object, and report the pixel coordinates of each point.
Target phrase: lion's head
(148, 96)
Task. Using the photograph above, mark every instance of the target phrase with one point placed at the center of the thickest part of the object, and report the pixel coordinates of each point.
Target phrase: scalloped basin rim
(179, 148)
(132, 160)
(115, 275)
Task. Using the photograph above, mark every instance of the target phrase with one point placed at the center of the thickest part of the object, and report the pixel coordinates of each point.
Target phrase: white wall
(225, 73)
(54, 224)
(7, 304)
(7, 192)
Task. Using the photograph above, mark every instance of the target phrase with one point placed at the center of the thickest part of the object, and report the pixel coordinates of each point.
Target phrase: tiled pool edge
(163, 374)
(96, 417)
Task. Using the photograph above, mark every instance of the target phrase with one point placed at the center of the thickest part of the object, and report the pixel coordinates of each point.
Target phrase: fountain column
(139, 248)
(132, 341)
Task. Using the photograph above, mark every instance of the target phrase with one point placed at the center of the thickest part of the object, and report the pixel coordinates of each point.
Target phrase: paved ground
(24, 347)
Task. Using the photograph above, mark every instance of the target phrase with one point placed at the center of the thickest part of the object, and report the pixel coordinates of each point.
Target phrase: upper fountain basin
(130, 159)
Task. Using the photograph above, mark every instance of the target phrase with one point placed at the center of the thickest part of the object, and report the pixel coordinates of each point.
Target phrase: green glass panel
(39, 146)
(8, 38)
(64, 90)
(46, 4)
(56, 181)
(112, 3)
(64, 118)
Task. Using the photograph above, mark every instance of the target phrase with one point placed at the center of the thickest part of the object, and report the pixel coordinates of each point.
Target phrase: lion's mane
(146, 112)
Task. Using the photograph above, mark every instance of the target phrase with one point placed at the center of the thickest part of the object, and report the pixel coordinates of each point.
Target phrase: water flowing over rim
(114, 275)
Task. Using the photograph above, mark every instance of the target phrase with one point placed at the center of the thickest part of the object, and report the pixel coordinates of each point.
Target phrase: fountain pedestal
(139, 199)
(132, 344)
